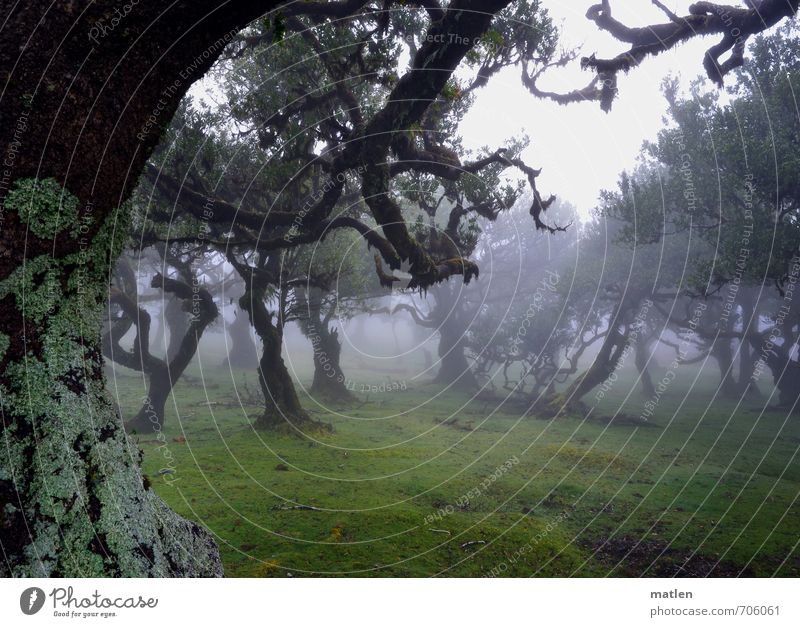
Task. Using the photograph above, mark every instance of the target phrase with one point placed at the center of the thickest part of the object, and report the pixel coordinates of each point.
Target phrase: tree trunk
(723, 354)
(75, 501)
(603, 366)
(177, 321)
(747, 355)
(330, 382)
(789, 387)
(242, 352)
(161, 374)
(785, 370)
(452, 325)
(454, 369)
(600, 370)
(159, 337)
(281, 405)
(642, 358)
(747, 365)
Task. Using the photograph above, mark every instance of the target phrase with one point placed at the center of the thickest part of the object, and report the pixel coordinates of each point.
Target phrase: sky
(581, 149)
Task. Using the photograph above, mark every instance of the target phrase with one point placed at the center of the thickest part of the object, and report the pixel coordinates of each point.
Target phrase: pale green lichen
(45, 206)
(5, 342)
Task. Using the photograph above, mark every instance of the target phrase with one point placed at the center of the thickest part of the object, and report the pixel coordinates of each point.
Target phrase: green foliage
(725, 173)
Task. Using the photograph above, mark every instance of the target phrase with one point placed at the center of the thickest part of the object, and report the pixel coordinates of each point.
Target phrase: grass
(424, 482)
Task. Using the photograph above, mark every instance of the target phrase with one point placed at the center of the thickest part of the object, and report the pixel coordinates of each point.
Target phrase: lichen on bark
(72, 495)
(45, 206)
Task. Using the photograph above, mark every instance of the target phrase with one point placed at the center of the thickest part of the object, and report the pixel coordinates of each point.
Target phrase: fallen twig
(291, 507)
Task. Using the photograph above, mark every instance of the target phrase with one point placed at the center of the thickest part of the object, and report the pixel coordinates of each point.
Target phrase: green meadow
(426, 482)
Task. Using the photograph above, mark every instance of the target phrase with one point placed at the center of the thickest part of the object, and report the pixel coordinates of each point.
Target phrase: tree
(303, 152)
(162, 374)
(520, 329)
(327, 282)
(737, 193)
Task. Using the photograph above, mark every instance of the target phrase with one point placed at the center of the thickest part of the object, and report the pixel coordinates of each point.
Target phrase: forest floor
(421, 482)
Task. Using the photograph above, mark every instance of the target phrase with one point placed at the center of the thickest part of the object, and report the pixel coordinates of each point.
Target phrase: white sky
(581, 149)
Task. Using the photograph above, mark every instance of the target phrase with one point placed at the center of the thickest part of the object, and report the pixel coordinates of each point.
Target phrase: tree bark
(74, 501)
(81, 115)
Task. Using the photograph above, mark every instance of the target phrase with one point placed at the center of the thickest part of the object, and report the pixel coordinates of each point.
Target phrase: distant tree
(295, 184)
(326, 284)
(162, 374)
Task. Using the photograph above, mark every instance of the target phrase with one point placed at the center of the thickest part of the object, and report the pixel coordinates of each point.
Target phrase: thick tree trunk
(74, 500)
(242, 351)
